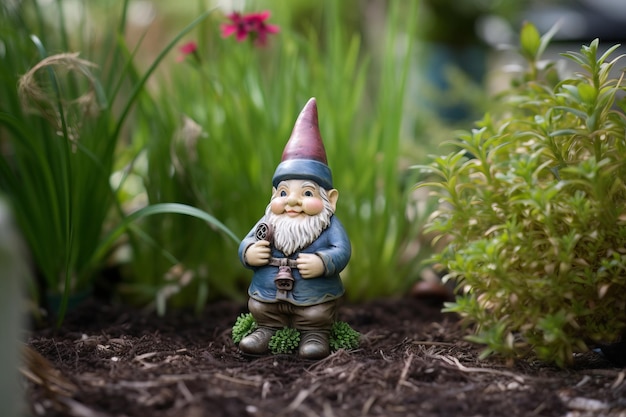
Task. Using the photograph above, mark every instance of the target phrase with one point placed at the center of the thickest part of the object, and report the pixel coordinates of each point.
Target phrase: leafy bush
(534, 202)
(284, 341)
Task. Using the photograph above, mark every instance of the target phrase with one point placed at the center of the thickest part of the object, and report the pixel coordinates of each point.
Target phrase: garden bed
(413, 361)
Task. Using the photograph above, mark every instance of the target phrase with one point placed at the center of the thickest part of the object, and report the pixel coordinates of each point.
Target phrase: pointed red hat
(304, 156)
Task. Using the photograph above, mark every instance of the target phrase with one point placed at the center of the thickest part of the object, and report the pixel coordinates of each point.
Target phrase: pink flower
(190, 48)
(252, 24)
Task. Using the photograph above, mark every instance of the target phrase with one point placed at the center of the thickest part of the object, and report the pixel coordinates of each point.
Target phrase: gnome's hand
(310, 265)
(258, 254)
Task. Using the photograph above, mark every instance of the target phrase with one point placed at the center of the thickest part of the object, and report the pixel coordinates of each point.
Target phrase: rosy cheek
(313, 206)
(277, 206)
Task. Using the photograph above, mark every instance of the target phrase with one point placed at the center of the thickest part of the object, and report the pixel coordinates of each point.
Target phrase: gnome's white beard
(294, 234)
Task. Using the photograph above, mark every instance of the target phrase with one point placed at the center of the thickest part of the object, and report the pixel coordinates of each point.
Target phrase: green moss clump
(285, 341)
(342, 336)
(244, 325)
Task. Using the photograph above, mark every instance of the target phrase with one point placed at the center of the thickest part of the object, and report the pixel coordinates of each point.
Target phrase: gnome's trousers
(283, 314)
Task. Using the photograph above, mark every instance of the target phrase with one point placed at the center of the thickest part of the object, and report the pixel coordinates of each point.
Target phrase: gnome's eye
(308, 193)
(283, 193)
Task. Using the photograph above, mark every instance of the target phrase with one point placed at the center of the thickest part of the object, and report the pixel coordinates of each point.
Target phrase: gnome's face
(299, 212)
(298, 198)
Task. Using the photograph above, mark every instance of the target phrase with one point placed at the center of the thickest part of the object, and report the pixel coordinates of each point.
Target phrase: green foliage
(62, 120)
(342, 336)
(244, 325)
(534, 200)
(53, 121)
(208, 134)
(284, 341)
(217, 134)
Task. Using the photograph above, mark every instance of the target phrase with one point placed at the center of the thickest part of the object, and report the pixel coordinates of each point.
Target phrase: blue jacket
(332, 246)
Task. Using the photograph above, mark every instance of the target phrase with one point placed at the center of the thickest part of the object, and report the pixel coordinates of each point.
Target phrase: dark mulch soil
(113, 361)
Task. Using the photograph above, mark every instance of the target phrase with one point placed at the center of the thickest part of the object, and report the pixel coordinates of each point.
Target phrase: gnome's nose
(292, 199)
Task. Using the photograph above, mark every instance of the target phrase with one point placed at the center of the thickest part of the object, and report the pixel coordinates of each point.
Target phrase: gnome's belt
(284, 280)
(283, 262)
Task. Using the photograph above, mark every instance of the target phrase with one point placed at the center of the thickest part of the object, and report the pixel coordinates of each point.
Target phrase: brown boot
(257, 342)
(315, 344)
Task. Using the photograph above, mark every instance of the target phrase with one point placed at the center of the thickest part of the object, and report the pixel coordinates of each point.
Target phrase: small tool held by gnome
(298, 249)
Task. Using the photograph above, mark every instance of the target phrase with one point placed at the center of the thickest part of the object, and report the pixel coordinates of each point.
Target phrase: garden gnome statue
(298, 249)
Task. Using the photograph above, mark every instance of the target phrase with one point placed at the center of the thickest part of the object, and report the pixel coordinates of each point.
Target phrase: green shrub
(534, 202)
